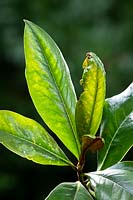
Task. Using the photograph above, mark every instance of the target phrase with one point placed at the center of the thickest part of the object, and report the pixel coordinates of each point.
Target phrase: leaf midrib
(77, 189)
(95, 97)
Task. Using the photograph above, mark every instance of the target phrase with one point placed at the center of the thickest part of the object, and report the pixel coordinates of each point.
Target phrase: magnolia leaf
(113, 183)
(116, 128)
(69, 191)
(50, 85)
(29, 139)
(89, 108)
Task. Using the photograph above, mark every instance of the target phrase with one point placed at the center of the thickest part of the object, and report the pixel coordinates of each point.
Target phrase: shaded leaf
(29, 139)
(69, 191)
(50, 85)
(116, 128)
(89, 108)
(114, 183)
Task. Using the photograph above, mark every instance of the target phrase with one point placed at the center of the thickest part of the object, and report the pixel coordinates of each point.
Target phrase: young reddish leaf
(92, 144)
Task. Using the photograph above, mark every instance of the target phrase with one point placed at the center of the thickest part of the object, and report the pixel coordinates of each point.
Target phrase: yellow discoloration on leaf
(89, 108)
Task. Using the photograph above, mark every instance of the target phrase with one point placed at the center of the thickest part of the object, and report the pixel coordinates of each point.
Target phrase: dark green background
(78, 26)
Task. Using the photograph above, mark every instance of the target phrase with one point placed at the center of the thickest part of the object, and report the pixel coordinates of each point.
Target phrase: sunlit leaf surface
(29, 139)
(89, 108)
(50, 85)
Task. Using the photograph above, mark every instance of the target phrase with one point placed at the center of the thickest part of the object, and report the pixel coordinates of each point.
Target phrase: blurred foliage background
(78, 26)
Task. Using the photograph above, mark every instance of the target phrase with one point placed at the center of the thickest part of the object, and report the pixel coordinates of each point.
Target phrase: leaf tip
(27, 22)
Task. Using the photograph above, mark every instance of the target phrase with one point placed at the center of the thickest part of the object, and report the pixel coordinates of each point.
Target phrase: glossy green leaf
(114, 183)
(50, 85)
(116, 128)
(69, 191)
(89, 108)
(29, 139)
